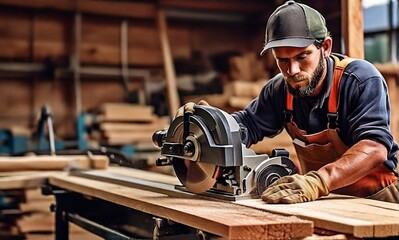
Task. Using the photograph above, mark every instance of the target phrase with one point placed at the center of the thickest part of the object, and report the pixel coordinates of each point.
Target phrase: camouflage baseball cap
(294, 25)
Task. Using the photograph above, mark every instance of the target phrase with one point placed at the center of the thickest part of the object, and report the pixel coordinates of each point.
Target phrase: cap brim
(291, 42)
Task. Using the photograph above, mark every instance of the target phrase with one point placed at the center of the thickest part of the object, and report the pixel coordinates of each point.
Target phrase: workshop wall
(46, 36)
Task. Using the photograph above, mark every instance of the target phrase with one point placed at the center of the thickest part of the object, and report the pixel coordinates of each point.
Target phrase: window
(380, 19)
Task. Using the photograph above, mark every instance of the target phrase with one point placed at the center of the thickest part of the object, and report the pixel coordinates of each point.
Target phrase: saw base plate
(218, 194)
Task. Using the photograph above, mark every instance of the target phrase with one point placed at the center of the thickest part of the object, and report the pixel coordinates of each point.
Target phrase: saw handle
(158, 138)
(186, 127)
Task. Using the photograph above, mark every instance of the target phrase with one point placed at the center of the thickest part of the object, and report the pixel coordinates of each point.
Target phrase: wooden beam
(221, 6)
(46, 162)
(352, 28)
(220, 218)
(112, 8)
(362, 218)
(171, 85)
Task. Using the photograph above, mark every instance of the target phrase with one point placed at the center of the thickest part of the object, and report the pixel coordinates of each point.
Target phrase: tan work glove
(296, 189)
(189, 107)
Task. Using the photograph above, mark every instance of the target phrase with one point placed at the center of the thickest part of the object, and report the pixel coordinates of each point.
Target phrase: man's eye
(301, 57)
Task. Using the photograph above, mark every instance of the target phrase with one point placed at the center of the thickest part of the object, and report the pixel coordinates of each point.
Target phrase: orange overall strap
(339, 68)
(290, 101)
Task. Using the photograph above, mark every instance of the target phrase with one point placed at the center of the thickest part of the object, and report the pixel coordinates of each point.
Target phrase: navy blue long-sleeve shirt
(363, 110)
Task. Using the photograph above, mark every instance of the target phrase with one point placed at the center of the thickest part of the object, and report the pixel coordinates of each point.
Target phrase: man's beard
(309, 89)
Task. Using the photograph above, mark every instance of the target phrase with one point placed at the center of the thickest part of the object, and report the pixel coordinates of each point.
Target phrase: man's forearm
(356, 163)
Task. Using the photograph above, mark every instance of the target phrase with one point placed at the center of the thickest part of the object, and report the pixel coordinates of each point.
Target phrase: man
(335, 109)
(340, 127)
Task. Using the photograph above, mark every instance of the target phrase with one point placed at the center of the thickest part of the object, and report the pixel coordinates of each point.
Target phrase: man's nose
(293, 68)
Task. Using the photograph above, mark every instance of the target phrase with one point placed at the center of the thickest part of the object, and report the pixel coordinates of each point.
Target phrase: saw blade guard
(213, 136)
(199, 144)
(276, 167)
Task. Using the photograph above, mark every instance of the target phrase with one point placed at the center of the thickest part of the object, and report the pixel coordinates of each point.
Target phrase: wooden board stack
(35, 212)
(122, 124)
(24, 211)
(28, 216)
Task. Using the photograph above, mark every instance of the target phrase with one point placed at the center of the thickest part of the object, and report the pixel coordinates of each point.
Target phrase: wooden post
(352, 28)
(173, 97)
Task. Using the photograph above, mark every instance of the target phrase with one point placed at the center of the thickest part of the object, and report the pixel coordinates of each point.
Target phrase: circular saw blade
(196, 176)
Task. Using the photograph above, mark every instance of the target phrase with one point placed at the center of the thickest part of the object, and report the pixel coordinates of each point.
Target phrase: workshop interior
(92, 147)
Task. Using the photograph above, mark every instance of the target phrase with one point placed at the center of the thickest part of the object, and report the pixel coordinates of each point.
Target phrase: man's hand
(189, 107)
(296, 188)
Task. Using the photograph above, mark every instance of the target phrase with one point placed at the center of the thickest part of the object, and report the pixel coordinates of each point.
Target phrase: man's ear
(327, 46)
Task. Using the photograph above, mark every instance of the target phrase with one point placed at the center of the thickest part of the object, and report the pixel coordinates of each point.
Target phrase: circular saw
(207, 154)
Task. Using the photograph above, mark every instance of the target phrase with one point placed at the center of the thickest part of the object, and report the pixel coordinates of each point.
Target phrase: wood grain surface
(221, 218)
(354, 217)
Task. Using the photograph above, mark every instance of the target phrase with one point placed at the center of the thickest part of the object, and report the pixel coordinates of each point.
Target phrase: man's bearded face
(304, 91)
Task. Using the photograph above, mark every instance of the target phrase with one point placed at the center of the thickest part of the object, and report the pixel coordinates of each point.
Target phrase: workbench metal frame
(73, 207)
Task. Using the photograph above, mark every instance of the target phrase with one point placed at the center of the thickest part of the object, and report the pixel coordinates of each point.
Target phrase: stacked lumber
(9, 213)
(247, 68)
(35, 212)
(122, 124)
(248, 75)
(25, 211)
(243, 92)
(245, 78)
(29, 217)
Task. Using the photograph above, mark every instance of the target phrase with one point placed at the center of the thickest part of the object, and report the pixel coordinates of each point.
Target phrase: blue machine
(42, 140)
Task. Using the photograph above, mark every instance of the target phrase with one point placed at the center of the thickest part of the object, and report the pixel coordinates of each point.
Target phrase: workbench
(121, 203)
(24, 210)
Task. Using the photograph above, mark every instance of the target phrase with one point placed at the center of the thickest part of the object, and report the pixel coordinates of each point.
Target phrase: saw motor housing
(207, 154)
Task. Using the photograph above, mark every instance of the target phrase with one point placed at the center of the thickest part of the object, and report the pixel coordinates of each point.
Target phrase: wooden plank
(352, 25)
(15, 35)
(127, 112)
(221, 6)
(111, 8)
(171, 85)
(43, 222)
(361, 218)
(44, 162)
(35, 194)
(118, 138)
(220, 218)
(239, 102)
(337, 213)
(25, 180)
(36, 206)
(115, 126)
(49, 35)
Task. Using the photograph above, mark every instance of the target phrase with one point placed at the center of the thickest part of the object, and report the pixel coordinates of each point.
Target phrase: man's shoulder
(277, 80)
(361, 69)
(276, 84)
